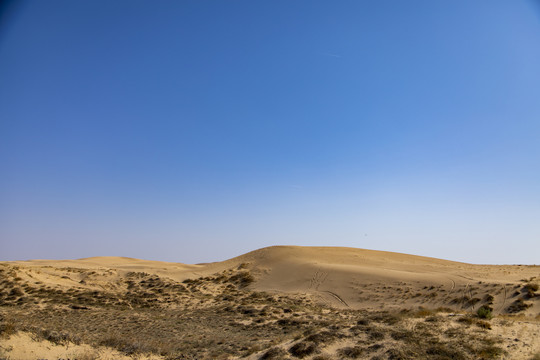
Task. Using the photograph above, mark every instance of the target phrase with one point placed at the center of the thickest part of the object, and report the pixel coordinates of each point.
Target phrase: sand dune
(278, 300)
(339, 276)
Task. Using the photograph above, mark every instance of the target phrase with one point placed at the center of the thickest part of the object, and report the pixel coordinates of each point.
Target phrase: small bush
(485, 312)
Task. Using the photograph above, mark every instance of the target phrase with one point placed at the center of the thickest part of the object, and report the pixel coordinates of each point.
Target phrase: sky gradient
(195, 131)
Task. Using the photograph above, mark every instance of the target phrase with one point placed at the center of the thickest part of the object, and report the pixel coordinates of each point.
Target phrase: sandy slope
(347, 277)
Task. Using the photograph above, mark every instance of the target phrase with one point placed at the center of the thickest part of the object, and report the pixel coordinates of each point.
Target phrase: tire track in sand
(320, 278)
(336, 296)
(504, 299)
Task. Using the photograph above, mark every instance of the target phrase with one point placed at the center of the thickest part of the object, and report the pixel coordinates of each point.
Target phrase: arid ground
(281, 302)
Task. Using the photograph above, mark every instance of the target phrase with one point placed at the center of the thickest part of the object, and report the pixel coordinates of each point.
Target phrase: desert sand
(276, 302)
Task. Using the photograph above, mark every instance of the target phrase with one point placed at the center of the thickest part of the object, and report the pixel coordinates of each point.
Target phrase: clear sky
(195, 131)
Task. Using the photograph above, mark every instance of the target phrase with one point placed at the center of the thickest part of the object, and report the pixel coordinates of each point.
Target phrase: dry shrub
(518, 306)
(123, 345)
(467, 320)
(490, 352)
(242, 279)
(363, 322)
(422, 312)
(7, 329)
(441, 351)
(375, 334)
(403, 335)
(323, 337)
(387, 318)
(323, 357)
(274, 353)
(303, 349)
(58, 338)
(399, 354)
(483, 324)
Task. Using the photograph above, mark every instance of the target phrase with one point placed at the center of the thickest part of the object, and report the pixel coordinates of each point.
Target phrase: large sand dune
(339, 276)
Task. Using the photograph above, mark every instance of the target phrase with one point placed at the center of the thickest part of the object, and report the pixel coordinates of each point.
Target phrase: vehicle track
(504, 300)
(337, 297)
(318, 279)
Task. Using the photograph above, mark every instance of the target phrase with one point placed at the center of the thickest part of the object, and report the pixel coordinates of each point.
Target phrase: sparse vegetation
(220, 316)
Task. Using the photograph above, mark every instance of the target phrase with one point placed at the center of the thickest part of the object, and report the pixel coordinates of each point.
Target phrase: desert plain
(280, 302)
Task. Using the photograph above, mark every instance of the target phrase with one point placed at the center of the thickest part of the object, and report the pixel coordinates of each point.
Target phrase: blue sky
(194, 131)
